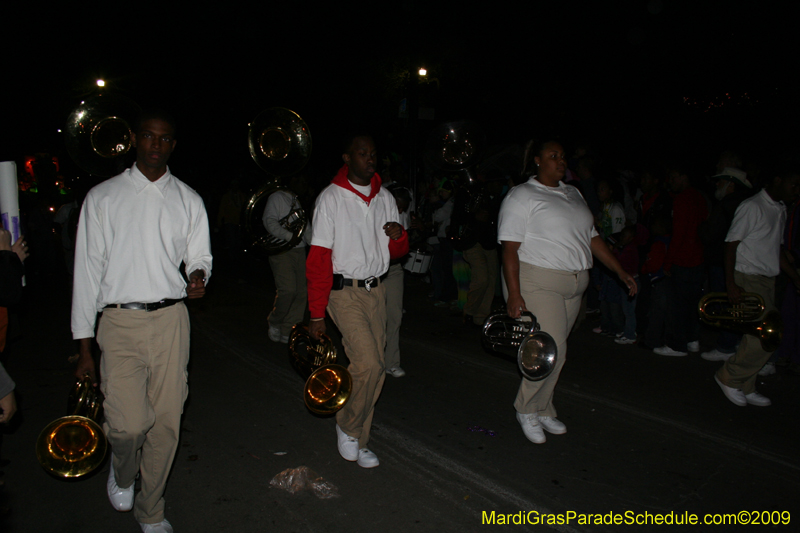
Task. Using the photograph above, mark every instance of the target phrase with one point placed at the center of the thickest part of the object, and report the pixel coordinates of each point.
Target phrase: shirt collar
(140, 181)
(562, 189)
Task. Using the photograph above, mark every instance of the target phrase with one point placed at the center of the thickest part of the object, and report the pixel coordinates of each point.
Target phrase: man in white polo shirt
(135, 230)
(356, 234)
(753, 257)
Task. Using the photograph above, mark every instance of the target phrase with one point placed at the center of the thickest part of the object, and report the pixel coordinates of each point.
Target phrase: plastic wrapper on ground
(294, 480)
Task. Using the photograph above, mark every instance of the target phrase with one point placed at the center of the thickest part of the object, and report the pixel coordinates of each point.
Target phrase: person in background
(288, 268)
(11, 272)
(394, 291)
(732, 188)
(683, 265)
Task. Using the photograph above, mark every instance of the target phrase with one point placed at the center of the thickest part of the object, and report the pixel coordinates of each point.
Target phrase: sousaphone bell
(328, 385)
(280, 144)
(535, 350)
(99, 133)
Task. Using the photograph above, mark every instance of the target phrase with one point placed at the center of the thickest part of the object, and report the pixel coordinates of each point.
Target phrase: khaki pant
(483, 266)
(554, 296)
(361, 318)
(741, 370)
(394, 314)
(289, 271)
(144, 380)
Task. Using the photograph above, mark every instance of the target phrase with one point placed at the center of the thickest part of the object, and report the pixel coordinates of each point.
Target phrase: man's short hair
(156, 114)
(351, 138)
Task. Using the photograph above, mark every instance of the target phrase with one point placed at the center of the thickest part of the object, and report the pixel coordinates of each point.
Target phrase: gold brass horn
(328, 385)
(745, 317)
(280, 143)
(99, 133)
(535, 350)
(74, 445)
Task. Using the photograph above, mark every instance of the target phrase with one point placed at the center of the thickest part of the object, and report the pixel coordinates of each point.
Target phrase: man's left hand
(393, 230)
(197, 285)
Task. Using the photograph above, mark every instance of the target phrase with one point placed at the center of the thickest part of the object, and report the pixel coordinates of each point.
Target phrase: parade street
(647, 435)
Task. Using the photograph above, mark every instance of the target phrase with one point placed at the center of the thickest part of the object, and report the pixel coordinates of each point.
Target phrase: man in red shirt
(684, 265)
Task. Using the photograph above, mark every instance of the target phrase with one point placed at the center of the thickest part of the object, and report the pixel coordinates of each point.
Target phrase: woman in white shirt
(548, 239)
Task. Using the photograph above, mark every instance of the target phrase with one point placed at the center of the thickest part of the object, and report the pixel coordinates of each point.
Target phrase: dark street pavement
(646, 434)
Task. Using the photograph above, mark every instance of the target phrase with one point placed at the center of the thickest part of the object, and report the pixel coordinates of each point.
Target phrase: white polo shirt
(758, 225)
(133, 235)
(353, 230)
(553, 225)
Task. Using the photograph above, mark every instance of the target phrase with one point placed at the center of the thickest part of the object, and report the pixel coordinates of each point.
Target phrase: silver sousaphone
(280, 144)
(535, 350)
(99, 133)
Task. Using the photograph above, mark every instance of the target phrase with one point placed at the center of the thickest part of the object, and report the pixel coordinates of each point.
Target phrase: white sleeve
(198, 242)
(90, 263)
(278, 206)
(512, 222)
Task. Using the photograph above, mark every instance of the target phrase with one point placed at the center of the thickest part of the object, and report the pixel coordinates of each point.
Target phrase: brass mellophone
(745, 317)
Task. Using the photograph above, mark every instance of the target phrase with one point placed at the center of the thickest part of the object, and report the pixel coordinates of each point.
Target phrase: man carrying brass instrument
(753, 257)
(355, 237)
(135, 230)
(288, 268)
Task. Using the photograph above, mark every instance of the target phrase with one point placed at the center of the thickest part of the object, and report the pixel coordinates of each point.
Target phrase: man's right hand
(316, 328)
(85, 361)
(734, 293)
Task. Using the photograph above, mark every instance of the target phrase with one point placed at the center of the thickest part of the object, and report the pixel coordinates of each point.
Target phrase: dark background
(642, 80)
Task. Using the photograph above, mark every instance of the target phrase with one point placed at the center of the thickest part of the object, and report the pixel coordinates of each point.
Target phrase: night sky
(637, 78)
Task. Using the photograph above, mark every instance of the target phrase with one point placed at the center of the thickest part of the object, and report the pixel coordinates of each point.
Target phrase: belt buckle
(368, 283)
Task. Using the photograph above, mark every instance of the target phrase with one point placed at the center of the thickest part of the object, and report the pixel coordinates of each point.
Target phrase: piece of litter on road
(480, 429)
(293, 480)
(279, 453)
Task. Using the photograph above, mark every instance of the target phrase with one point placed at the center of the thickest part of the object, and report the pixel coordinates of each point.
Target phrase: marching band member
(548, 239)
(355, 237)
(135, 230)
(288, 268)
(753, 258)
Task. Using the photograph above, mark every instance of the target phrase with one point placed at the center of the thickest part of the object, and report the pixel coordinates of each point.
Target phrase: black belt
(143, 306)
(368, 283)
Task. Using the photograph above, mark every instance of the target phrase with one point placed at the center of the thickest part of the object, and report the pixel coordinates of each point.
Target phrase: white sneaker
(734, 395)
(367, 459)
(531, 427)
(396, 372)
(624, 340)
(666, 350)
(767, 370)
(121, 499)
(285, 339)
(552, 425)
(693, 346)
(274, 334)
(757, 399)
(348, 446)
(162, 527)
(716, 355)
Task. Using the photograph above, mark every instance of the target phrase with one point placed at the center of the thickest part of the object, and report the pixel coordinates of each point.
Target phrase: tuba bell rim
(64, 468)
